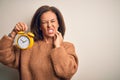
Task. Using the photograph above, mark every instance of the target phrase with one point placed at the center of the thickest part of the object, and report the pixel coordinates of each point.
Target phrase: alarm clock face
(23, 42)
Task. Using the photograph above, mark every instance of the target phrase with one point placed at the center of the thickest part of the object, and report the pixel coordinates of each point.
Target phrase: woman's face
(49, 24)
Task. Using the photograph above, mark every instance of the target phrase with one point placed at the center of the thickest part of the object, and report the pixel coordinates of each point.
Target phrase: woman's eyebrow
(47, 20)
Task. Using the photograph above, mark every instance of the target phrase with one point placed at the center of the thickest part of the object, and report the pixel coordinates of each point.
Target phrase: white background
(93, 26)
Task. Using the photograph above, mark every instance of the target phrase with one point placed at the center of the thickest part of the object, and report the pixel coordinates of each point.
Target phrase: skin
(49, 29)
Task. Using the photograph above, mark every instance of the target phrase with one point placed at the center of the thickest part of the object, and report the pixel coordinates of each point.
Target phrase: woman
(50, 58)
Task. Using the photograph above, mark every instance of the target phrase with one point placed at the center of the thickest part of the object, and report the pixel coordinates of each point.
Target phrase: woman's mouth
(50, 31)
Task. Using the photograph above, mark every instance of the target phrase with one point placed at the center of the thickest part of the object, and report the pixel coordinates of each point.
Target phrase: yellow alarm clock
(24, 40)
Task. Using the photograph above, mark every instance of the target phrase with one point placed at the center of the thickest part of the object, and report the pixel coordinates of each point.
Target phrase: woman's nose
(49, 24)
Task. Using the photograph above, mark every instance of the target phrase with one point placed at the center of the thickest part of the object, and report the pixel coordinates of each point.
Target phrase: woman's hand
(18, 27)
(58, 39)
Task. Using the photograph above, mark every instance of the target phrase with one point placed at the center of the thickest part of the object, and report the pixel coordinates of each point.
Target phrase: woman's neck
(48, 40)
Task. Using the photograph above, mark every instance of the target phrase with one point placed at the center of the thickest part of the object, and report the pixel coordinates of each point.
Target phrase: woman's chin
(51, 35)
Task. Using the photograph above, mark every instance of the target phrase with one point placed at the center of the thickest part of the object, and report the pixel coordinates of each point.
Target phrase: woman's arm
(64, 59)
(9, 55)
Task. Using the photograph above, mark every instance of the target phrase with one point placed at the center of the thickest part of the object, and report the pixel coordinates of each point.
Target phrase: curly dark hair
(35, 23)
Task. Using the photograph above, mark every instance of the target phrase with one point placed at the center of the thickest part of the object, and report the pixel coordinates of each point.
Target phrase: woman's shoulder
(66, 43)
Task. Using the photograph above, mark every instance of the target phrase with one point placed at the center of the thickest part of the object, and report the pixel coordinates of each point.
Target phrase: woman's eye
(52, 21)
(43, 22)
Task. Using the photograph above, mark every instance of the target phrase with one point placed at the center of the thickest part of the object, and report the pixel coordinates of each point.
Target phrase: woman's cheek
(56, 31)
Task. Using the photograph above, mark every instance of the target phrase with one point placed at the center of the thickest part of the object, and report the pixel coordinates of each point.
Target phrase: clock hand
(21, 40)
(24, 41)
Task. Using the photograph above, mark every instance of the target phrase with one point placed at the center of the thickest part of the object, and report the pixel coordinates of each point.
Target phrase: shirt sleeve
(9, 55)
(65, 61)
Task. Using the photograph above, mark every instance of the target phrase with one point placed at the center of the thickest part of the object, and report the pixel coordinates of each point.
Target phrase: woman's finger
(17, 27)
(21, 25)
(59, 33)
(55, 37)
(26, 27)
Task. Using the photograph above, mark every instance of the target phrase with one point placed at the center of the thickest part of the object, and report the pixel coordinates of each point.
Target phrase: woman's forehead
(48, 15)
